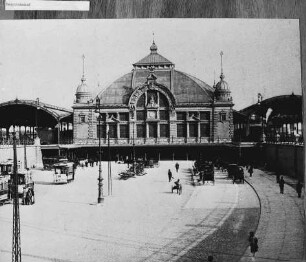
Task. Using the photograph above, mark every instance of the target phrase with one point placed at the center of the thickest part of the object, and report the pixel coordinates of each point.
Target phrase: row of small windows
(114, 116)
(193, 130)
(141, 131)
(193, 115)
(112, 129)
(163, 115)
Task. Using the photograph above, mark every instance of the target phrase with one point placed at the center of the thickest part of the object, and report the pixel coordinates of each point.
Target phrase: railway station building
(154, 105)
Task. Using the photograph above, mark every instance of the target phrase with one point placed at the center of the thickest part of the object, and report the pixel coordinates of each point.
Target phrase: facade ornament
(152, 103)
(132, 107)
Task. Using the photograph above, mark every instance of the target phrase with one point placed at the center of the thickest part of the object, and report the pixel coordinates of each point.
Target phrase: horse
(178, 188)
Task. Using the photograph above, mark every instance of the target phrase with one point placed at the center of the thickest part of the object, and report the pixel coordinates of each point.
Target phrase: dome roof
(222, 85)
(186, 88)
(82, 88)
(153, 48)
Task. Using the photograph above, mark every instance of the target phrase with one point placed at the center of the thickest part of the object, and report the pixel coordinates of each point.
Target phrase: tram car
(6, 167)
(24, 181)
(48, 162)
(63, 172)
(4, 188)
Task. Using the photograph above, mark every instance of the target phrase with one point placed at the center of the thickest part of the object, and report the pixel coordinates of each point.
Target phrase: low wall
(287, 159)
(33, 154)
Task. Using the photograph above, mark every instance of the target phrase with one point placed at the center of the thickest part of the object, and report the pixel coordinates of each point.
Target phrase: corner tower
(82, 94)
(223, 110)
(222, 91)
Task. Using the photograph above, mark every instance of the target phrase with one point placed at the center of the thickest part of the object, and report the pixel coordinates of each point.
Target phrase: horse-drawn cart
(205, 170)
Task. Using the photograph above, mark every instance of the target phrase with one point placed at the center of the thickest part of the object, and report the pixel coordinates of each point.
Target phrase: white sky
(43, 58)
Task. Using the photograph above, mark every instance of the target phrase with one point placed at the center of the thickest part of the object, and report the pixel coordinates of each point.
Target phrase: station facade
(154, 104)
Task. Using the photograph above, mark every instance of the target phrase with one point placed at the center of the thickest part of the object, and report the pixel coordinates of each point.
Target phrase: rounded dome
(82, 88)
(186, 88)
(222, 85)
(153, 47)
(82, 94)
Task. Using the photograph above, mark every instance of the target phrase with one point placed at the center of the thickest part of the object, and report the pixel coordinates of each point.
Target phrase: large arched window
(152, 115)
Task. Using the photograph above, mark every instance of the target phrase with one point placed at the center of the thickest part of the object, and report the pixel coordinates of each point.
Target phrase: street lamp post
(134, 160)
(16, 247)
(109, 167)
(100, 179)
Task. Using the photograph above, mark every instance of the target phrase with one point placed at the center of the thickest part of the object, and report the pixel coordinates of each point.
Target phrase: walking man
(253, 243)
(281, 185)
(177, 166)
(251, 170)
(24, 195)
(170, 175)
(299, 187)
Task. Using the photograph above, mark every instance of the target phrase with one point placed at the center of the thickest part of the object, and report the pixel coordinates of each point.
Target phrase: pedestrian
(277, 177)
(200, 176)
(177, 166)
(24, 195)
(29, 198)
(281, 185)
(253, 241)
(251, 170)
(9, 193)
(170, 175)
(299, 187)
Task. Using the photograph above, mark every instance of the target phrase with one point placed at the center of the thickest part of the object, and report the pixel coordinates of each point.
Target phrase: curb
(260, 206)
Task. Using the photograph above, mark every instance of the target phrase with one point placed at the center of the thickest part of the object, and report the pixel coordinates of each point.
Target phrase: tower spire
(222, 75)
(153, 47)
(83, 75)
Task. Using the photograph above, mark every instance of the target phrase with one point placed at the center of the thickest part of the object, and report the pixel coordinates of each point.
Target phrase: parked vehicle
(126, 175)
(49, 162)
(6, 167)
(24, 181)
(4, 188)
(63, 172)
(205, 170)
(151, 163)
(235, 172)
(208, 172)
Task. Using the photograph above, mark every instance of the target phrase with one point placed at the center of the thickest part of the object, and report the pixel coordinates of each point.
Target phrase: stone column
(7, 132)
(147, 130)
(118, 130)
(199, 130)
(158, 130)
(187, 131)
(118, 126)
(107, 129)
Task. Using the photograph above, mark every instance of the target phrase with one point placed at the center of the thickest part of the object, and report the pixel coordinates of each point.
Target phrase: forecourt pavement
(141, 221)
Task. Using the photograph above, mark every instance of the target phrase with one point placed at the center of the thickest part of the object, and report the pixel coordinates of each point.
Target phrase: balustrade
(150, 141)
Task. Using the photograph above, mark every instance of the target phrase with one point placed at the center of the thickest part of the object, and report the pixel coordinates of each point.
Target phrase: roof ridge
(146, 60)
